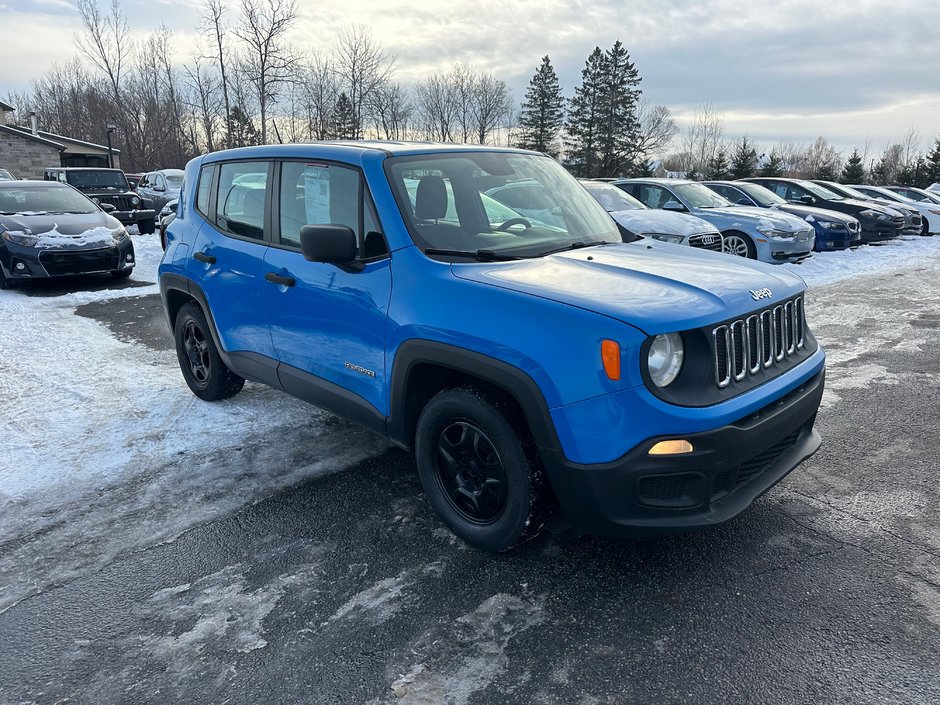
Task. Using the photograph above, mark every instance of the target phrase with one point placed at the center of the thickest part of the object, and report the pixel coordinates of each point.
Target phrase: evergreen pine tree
(243, 130)
(585, 112)
(744, 160)
(773, 166)
(543, 112)
(620, 126)
(344, 118)
(693, 175)
(879, 175)
(932, 174)
(854, 171)
(718, 167)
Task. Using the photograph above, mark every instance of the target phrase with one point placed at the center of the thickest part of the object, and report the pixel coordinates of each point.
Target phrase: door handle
(278, 279)
(203, 257)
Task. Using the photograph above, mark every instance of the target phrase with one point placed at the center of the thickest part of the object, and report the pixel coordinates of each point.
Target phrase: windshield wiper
(573, 246)
(479, 255)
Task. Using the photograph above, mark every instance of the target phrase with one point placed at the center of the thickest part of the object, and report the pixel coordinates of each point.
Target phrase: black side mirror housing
(107, 207)
(808, 200)
(744, 202)
(332, 244)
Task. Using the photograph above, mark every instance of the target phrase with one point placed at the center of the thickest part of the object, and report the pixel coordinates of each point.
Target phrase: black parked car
(834, 230)
(109, 186)
(878, 223)
(49, 229)
(913, 223)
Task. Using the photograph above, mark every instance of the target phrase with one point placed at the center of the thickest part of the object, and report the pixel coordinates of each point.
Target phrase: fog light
(676, 447)
(129, 257)
(20, 267)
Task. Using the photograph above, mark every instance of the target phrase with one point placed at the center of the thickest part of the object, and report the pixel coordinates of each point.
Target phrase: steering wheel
(514, 221)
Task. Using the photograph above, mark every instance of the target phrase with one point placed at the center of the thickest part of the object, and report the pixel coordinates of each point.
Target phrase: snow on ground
(105, 450)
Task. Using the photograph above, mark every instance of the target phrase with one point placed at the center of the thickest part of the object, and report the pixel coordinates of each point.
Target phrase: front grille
(79, 262)
(899, 221)
(120, 202)
(744, 346)
(707, 241)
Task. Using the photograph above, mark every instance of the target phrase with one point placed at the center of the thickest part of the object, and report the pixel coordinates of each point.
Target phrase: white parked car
(929, 212)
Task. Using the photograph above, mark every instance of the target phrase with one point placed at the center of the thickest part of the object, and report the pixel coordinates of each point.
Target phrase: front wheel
(478, 470)
(740, 245)
(203, 369)
(925, 227)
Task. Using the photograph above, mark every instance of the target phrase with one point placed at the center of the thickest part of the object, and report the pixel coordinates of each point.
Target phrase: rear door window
(240, 202)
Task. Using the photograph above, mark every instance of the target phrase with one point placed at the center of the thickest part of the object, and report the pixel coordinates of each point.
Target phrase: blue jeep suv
(643, 387)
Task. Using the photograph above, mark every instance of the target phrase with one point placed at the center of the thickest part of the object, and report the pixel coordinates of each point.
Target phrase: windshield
(860, 195)
(5, 175)
(500, 204)
(763, 197)
(823, 192)
(106, 178)
(612, 198)
(53, 198)
(698, 196)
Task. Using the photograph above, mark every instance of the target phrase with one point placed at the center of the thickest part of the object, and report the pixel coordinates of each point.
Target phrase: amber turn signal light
(677, 447)
(610, 354)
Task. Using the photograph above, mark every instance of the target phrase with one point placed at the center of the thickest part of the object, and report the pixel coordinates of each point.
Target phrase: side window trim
(214, 200)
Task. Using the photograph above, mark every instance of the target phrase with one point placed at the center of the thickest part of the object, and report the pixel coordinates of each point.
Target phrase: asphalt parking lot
(344, 587)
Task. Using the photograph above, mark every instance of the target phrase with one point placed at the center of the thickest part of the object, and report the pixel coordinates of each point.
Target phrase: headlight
(20, 237)
(765, 227)
(118, 234)
(664, 360)
(869, 213)
(831, 225)
(96, 200)
(674, 239)
(135, 201)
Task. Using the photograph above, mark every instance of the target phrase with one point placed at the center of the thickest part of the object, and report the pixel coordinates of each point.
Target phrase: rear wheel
(478, 469)
(147, 227)
(924, 227)
(203, 369)
(739, 244)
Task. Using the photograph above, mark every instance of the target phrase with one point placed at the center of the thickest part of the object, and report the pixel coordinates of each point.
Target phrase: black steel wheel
(479, 469)
(203, 369)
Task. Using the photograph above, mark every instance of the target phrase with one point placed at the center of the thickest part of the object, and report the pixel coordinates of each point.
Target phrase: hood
(644, 222)
(70, 231)
(651, 285)
(818, 213)
(902, 208)
(779, 219)
(864, 205)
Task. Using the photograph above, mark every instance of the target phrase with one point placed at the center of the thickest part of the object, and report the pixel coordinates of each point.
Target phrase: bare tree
(203, 101)
(391, 110)
(492, 103)
(213, 22)
(268, 61)
(792, 158)
(822, 160)
(363, 67)
(703, 137)
(910, 146)
(436, 107)
(321, 91)
(657, 129)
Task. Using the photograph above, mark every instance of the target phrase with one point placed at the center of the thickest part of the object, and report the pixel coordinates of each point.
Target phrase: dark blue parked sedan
(50, 229)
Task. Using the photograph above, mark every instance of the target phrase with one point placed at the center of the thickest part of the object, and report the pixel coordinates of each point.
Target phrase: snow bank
(832, 267)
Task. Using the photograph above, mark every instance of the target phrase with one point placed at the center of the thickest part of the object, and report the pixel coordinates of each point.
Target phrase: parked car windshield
(823, 192)
(5, 175)
(612, 198)
(763, 197)
(45, 198)
(97, 179)
(698, 196)
(498, 204)
(860, 195)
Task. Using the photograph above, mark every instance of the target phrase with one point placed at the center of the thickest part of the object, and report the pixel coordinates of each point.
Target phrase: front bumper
(828, 240)
(787, 249)
(730, 467)
(136, 216)
(877, 232)
(23, 263)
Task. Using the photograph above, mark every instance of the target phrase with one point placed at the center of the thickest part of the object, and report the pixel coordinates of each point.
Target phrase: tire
(925, 228)
(122, 273)
(4, 282)
(147, 227)
(492, 493)
(163, 237)
(202, 367)
(739, 244)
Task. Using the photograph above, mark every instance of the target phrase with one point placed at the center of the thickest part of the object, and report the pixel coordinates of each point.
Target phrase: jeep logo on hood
(758, 294)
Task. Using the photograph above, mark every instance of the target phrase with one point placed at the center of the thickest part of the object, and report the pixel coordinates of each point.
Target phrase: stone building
(27, 151)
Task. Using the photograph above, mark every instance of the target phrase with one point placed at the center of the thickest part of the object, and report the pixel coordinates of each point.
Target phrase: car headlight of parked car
(24, 238)
(664, 359)
(118, 234)
(674, 239)
(869, 213)
(135, 201)
(766, 228)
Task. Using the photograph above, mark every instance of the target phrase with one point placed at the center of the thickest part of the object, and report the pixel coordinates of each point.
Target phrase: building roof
(69, 145)
(26, 134)
(6, 107)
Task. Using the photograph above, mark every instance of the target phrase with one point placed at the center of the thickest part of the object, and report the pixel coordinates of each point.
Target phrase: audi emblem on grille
(758, 294)
(748, 345)
(709, 239)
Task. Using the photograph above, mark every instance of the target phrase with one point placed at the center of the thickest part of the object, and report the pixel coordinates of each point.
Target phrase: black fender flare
(502, 375)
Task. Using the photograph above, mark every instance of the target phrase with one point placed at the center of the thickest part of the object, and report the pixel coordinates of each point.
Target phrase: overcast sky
(787, 70)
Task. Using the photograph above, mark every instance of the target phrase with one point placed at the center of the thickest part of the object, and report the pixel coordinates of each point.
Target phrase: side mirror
(808, 200)
(159, 188)
(743, 202)
(107, 207)
(673, 206)
(333, 244)
(173, 206)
